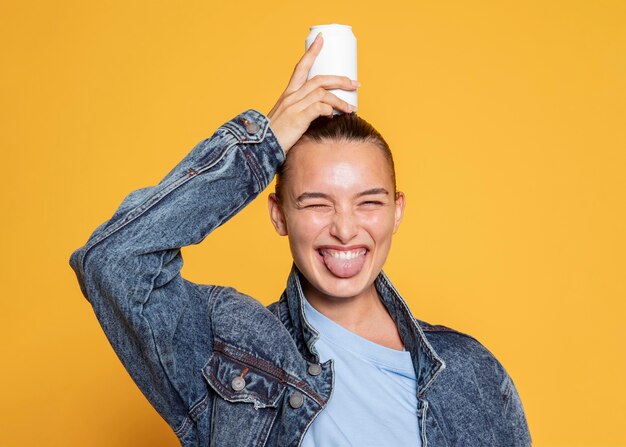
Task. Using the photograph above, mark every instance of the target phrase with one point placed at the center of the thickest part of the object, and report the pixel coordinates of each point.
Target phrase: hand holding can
(306, 99)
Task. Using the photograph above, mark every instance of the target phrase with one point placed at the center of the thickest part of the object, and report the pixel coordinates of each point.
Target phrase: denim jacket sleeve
(159, 323)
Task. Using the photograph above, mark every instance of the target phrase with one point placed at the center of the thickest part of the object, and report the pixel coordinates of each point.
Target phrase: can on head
(338, 57)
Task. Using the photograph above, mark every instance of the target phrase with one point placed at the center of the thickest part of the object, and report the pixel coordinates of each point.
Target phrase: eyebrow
(321, 195)
(373, 191)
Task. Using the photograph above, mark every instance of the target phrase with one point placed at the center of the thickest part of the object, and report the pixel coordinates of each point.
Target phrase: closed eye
(316, 205)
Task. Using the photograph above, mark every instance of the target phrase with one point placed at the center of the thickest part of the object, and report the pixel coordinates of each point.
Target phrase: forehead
(335, 167)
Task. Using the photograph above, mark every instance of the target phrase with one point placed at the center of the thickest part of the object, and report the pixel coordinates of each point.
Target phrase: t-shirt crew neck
(374, 399)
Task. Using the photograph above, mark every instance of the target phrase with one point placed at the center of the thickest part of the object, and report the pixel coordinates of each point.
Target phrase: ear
(276, 215)
(400, 203)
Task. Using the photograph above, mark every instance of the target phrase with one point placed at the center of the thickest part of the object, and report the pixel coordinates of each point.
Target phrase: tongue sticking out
(342, 267)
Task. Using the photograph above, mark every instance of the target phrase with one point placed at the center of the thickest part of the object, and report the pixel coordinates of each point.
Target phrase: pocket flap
(237, 382)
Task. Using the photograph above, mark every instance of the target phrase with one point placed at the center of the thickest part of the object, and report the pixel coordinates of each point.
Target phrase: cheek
(304, 230)
(307, 226)
(379, 225)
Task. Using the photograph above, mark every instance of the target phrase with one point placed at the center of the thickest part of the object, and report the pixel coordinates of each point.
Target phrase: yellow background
(508, 124)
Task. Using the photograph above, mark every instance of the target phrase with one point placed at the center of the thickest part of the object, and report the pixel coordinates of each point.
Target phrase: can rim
(329, 25)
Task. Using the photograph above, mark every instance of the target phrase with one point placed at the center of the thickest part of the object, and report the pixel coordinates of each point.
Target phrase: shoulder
(461, 352)
(243, 324)
(474, 385)
(231, 303)
(240, 320)
(447, 339)
(471, 370)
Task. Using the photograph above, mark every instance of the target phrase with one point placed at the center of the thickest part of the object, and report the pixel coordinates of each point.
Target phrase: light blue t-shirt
(374, 401)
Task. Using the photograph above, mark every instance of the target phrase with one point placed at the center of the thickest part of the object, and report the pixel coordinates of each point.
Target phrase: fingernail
(356, 83)
(318, 35)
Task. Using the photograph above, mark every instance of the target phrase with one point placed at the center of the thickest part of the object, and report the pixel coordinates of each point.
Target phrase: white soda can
(338, 57)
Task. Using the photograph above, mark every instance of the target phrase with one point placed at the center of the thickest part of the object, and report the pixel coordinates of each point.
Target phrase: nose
(344, 226)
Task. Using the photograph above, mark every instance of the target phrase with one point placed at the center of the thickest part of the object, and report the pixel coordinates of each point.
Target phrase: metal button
(238, 383)
(252, 128)
(296, 400)
(315, 369)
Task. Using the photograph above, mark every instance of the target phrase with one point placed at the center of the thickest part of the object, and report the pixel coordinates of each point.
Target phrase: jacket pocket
(246, 404)
(237, 382)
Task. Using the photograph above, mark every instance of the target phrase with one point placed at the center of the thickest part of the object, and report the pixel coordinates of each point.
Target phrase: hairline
(341, 139)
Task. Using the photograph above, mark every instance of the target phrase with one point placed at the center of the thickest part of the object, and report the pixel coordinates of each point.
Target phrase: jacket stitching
(261, 364)
(423, 430)
(193, 414)
(254, 166)
(266, 427)
(199, 408)
(184, 427)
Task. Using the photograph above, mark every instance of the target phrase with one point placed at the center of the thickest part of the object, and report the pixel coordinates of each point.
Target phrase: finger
(301, 71)
(316, 110)
(323, 96)
(326, 82)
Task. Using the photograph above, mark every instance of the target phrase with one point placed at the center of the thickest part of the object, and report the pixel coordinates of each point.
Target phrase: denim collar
(428, 365)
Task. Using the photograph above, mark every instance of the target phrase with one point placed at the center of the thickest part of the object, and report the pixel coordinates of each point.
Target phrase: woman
(339, 360)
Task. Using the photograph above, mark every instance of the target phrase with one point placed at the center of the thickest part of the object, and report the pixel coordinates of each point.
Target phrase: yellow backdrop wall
(508, 124)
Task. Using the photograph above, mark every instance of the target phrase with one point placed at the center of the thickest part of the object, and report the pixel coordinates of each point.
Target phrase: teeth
(345, 255)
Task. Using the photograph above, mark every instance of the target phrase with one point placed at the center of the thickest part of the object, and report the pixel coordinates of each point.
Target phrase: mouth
(344, 262)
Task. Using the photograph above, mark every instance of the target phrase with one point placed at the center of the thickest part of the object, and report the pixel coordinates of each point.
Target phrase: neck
(364, 314)
(349, 312)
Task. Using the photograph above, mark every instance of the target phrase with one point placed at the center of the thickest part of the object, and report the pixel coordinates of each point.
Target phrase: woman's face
(339, 210)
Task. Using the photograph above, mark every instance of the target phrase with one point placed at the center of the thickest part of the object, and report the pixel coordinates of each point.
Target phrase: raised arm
(159, 323)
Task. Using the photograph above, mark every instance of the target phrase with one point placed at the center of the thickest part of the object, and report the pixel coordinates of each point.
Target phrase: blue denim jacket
(223, 370)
